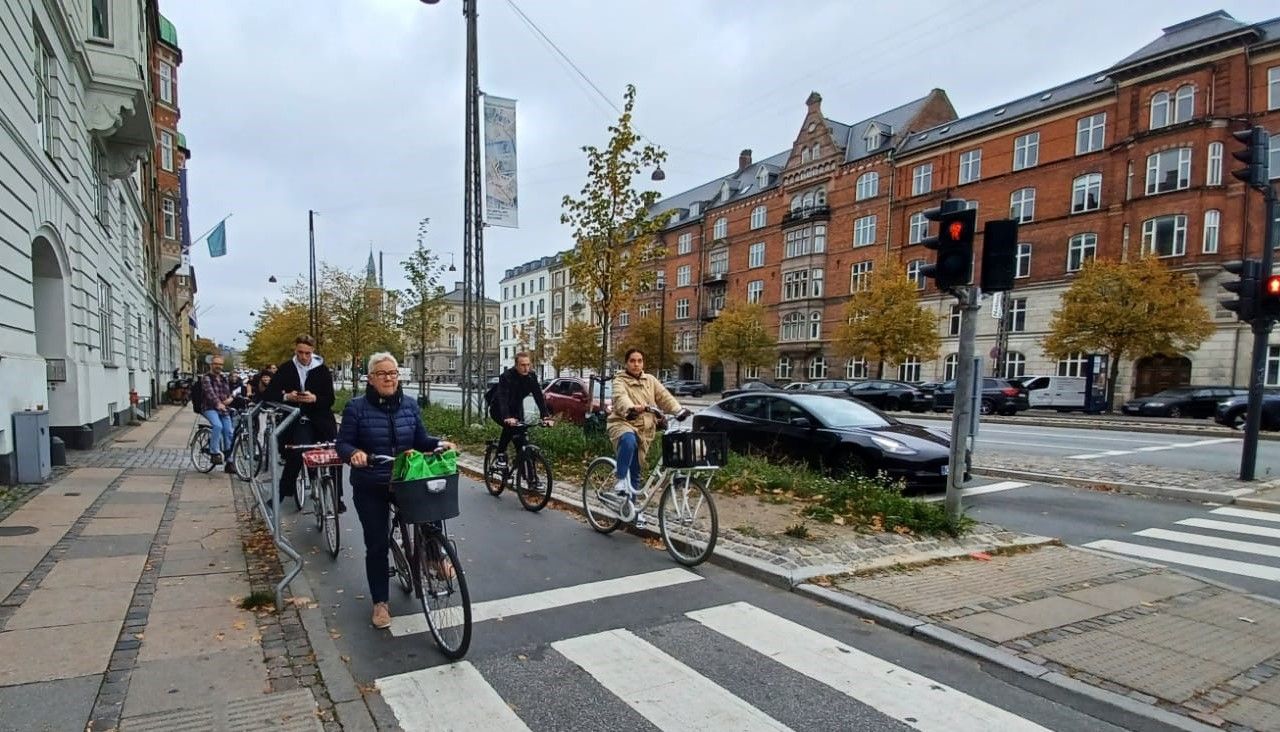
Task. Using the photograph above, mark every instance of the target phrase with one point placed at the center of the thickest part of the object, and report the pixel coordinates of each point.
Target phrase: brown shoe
(381, 615)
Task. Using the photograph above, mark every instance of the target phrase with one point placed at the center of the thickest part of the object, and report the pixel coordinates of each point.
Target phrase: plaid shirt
(214, 390)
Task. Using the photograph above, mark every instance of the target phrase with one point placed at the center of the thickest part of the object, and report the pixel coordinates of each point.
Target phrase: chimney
(744, 160)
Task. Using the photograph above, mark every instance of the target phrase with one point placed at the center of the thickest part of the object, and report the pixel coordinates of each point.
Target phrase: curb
(1195, 495)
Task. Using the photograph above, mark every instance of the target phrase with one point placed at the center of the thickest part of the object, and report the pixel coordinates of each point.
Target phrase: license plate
(945, 468)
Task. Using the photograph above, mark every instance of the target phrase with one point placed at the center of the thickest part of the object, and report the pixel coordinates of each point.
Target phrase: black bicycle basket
(694, 449)
(427, 499)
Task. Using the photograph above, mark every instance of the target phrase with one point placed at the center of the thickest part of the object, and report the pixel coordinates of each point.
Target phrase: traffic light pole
(970, 298)
(1261, 333)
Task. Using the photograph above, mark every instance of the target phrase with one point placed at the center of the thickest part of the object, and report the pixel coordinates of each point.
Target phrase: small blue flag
(218, 240)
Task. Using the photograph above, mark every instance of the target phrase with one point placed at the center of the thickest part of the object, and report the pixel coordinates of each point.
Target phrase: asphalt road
(659, 648)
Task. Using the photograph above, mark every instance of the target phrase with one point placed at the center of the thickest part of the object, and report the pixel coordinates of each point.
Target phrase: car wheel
(697, 394)
(1175, 412)
(851, 463)
(986, 407)
(895, 404)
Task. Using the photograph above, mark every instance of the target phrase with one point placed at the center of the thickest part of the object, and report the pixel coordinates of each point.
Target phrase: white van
(1063, 393)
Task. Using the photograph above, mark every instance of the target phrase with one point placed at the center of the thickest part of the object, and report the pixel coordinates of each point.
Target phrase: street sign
(997, 306)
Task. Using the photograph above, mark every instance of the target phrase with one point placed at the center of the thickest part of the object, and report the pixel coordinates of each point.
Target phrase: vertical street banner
(500, 161)
(183, 223)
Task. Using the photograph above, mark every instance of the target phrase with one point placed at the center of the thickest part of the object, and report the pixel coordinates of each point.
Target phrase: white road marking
(911, 698)
(1093, 455)
(452, 697)
(1183, 537)
(1152, 448)
(978, 490)
(1247, 513)
(558, 597)
(1088, 435)
(1229, 566)
(1232, 528)
(662, 689)
(999, 441)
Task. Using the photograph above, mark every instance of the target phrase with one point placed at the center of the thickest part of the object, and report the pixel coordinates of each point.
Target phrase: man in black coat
(507, 409)
(303, 381)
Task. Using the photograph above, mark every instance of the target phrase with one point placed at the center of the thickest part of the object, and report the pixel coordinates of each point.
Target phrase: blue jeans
(223, 430)
(629, 454)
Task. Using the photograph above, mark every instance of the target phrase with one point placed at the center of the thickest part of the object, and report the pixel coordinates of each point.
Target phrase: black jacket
(381, 425)
(320, 383)
(512, 390)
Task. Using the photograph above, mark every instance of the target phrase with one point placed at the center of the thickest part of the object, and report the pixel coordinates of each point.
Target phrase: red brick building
(1129, 159)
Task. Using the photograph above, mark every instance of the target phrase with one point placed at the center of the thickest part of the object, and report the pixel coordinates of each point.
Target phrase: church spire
(371, 271)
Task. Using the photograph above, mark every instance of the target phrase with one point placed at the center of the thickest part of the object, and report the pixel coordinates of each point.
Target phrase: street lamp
(272, 279)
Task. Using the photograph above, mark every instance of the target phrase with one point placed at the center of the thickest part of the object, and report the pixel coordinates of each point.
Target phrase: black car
(685, 387)
(998, 397)
(750, 386)
(841, 436)
(1182, 401)
(1232, 412)
(890, 395)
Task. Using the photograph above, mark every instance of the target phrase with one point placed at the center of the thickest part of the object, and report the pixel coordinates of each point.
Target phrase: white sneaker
(623, 487)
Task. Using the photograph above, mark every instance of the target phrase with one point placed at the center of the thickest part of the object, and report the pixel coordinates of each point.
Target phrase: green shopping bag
(446, 463)
(414, 465)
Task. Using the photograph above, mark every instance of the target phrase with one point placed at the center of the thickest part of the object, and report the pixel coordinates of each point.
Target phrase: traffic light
(1269, 297)
(954, 244)
(1254, 157)
(1246, 288)
(999, 255)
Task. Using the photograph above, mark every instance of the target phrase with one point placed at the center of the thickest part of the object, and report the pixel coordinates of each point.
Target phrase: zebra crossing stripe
(452, 697)
(1232, 528)
(660, 688)
(1247, 513)
(904, 695)
(1182, 537)
(1230, 566)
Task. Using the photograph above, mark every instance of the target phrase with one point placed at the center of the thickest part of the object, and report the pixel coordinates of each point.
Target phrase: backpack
(196, 393)
(490, 397)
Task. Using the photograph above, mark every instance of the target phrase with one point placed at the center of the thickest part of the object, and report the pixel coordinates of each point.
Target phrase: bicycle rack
(271, 511)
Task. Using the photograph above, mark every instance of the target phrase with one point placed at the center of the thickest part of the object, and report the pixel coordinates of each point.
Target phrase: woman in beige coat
(631, 427)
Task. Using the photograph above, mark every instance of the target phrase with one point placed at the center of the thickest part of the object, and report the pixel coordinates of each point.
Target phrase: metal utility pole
(473, 300)
(313, 313)
(970, 298)
(1262, 325)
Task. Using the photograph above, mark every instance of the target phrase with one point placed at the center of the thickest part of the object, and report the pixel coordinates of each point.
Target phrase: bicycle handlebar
(313, 446)
(383, 459)
(679, 416)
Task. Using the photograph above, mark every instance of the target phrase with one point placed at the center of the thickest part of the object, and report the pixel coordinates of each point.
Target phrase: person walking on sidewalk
(385, 421)
(507, 409)
(305, 382)
(215, 390)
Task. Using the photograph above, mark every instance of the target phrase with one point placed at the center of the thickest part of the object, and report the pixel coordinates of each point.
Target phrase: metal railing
(271, 510)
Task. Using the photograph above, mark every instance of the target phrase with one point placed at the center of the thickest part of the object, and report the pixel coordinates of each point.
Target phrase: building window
(1169, 171)
(1273, 157)
(1026, 151)
(1018, 315)
(100, 19)
(1213, 171)
(806, 240)
(909, 370)
(166, 150)
(1159, 110)
(624, 318)
(720, 229)
(1165, 236)
(801, 284)
(949, 366)
(751, 373)
(1080, 248)
(755, 291)
(1091, 133)
(166, 82)
(792, 327)
(970, 166)
(860, 276)
(170, 208)
(718, 262)
(106, 322)
(682, 308)
(1015, 365)
(522, 289)
(918, 229)
(868, 186)
(542, 284)
(1022, 205)
(817, 368)
(46, 100)
(953, 323)
(684, 244)
(864, 231)
(915, 272)
(683, 275)
(1086, 193)
(855, 368)
(759, 216)
(1072, 365)
(1212, 222)
(1273, 88)
(762, 177)
(645, 309)
(783, 371)
(104, 189)
(922, 179)
(1184, 103)
(1022, 261)
(1273, 362)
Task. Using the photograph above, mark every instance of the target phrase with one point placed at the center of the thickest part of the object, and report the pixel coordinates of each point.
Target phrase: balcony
(117, 106)
(811, 213)
(711, 312)
(715, 277)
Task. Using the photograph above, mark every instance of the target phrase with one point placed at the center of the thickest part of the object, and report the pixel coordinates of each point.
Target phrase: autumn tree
(738, 335)
(277, 326)
(362, 321)
(531, 338)
(885, 321)
(1128, 310)
(580, 346)
(423, 301)
(647, 334)
(204, 347)
(613, 230)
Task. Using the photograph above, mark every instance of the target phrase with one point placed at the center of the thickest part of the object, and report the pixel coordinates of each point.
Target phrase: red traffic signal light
(1272, 286)
(955, 231)
(954, 244)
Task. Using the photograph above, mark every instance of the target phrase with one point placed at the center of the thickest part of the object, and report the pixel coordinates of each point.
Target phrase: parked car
(841, 436)
(568, 397)
(1182, 401)
(890, 395)
(1232, 412)
(685, 387)
(1063, 393)
(830, 386)
(998, 397)
(799, 386)
(750, 386)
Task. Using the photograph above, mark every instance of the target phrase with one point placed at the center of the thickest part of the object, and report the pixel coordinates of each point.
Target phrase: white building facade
(526, 313)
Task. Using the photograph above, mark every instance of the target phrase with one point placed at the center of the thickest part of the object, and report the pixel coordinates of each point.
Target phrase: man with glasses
(304, 381)
(215, 390)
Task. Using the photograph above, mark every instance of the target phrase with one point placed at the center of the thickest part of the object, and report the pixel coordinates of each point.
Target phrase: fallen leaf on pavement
(822, 581)
(521, 657)
(238, 625)
(868, 621)
(219, 636)
(335, 636)
(1250, 621)
(138, 636)
(980, 556)
(345, 659)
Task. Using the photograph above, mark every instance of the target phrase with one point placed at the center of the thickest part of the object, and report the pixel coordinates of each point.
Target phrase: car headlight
(1155, 404)
(892, 446)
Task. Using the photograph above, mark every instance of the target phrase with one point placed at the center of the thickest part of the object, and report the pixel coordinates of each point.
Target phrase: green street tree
(1128, 310)
(739, 336)
(579, 347)
(277, 326)
(363, 320)
(204, 347)
(423, 303)
(613, 231)
(647, 334)
(885, 322)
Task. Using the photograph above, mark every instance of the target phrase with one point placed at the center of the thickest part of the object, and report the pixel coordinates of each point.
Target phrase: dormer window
(762, 177)
(695, 208)
(724, 191)
(872, 138)
(817, 150)
(804, 155)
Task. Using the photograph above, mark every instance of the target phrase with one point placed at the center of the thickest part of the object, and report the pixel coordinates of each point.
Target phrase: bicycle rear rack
(270, 509)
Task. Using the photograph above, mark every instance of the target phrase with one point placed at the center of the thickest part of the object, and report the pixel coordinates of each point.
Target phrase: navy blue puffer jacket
(381, 426)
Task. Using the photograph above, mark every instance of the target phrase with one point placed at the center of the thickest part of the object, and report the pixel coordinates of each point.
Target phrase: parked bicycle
(247, 451)
(530, 471)
(687, 518)
(198, 445)
(321, 478)
(425, 560)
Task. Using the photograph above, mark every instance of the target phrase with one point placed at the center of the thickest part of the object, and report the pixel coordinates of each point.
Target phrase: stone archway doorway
(49, 303)
(1157, 373)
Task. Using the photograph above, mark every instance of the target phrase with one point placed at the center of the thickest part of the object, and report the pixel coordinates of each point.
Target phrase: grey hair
(378, 358)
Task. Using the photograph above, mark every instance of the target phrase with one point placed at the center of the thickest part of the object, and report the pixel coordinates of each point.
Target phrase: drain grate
(17, 530)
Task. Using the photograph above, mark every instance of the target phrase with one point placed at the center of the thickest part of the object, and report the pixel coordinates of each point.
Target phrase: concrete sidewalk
(121, 585)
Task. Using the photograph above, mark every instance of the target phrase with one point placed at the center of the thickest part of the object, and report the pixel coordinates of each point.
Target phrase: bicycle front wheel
(443, 592)
(399, 560)
(306, 479)
(243, 458)
(597, 496)
(533, 481)
(328, 511)
(687, 519)
(201, 460)
(495, 478)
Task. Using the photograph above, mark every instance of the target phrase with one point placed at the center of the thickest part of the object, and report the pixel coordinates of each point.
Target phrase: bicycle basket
(322, 458)
(427, 499)
(694, 449)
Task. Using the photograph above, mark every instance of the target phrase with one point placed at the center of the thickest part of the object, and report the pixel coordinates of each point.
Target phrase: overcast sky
(354, 108)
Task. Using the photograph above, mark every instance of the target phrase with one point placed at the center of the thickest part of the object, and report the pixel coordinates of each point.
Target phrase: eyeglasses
(386, 374)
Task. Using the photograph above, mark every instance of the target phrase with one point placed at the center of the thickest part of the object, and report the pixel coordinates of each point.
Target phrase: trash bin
(57, 451)
(31, 444)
